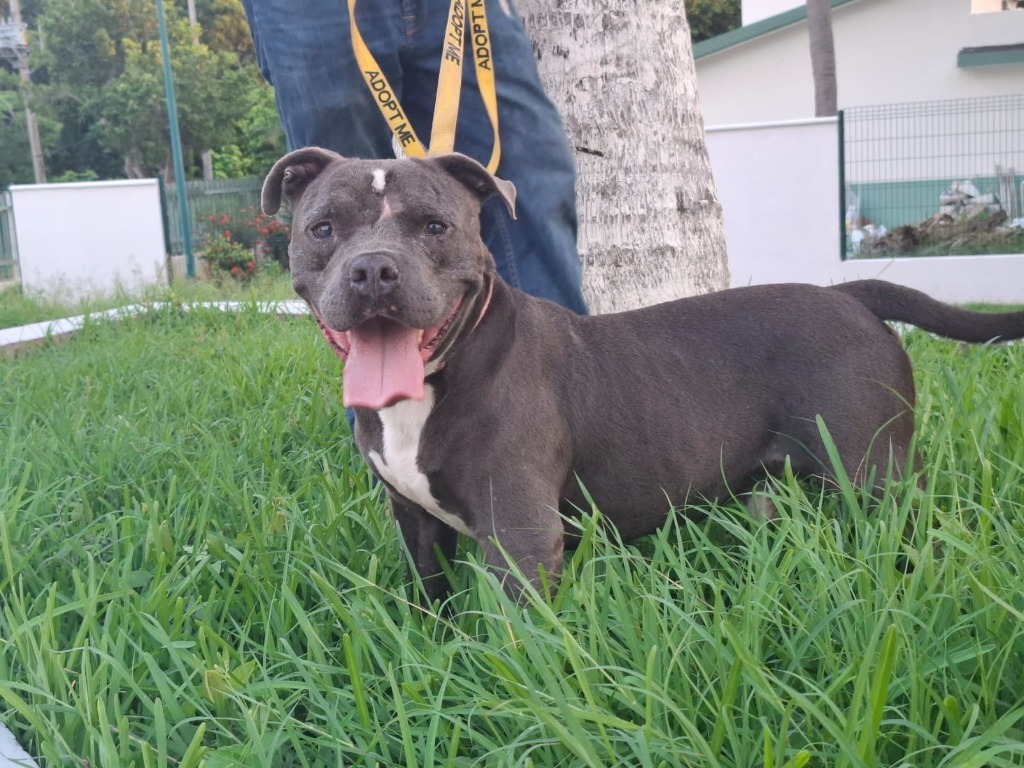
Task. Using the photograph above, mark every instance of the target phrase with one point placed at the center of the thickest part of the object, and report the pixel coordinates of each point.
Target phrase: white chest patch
(403, 426)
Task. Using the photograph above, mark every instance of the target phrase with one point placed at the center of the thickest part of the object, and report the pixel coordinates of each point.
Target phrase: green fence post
(841, 132)
(179, 167)
(8, 246)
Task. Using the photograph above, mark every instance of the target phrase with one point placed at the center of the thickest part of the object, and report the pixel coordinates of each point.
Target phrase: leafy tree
(15, 156)
(15, 160)
(76, 147)
(213, 91)
(225, 27)
(259, 139)
(88, 43)
(210, 91)
(29, 10)
(101, 73)
(709, 18)
(85, 41)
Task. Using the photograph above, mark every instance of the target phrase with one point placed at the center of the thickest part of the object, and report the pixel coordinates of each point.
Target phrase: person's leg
(304, 50)
(537, 252)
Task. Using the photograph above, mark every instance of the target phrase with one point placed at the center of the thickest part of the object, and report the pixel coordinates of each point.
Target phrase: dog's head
(388, 255)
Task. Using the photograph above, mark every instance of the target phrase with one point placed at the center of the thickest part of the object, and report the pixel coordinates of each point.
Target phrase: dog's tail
(889, 301)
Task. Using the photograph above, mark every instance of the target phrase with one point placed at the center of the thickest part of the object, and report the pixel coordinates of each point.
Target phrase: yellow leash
(467, 19)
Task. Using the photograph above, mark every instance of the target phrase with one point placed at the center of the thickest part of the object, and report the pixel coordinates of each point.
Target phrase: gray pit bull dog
(483, 410)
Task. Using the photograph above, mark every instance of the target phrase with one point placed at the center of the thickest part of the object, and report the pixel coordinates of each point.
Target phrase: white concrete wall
(987, 28)
(89, 239)
(887, 51)
(779, 189)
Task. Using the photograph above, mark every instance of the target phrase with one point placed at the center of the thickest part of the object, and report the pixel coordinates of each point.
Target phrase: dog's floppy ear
(291, 175)
(477, 179)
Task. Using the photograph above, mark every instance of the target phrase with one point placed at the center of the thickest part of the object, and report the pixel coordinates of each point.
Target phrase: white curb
(12, 339)
(12, 755)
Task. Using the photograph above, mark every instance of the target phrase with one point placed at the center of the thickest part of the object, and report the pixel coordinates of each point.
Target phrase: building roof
(757, 29)
(987, 55)
(978, 56)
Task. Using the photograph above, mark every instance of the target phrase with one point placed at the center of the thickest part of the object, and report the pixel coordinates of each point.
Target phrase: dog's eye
(435, 228)
(322, 230)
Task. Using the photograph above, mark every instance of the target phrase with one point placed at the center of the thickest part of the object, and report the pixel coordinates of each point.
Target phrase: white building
(887, 51)
(797, 191)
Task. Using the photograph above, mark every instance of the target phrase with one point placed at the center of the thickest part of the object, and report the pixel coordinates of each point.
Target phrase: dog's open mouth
(385, 361)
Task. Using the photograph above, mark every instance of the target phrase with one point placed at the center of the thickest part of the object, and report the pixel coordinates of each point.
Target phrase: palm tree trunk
(823, 57)
(31, 125)
(621, 72)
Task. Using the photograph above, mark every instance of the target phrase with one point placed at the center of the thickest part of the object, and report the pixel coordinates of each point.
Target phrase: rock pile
(967, 222)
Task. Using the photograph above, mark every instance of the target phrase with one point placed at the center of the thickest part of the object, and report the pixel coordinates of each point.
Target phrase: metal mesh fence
(934, 178)
(236, 199)
(8, 247)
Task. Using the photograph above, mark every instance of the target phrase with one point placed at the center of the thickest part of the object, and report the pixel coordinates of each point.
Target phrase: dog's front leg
(424, 535)
(528, 534)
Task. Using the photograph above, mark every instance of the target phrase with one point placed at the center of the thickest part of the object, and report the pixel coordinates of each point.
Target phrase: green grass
(269, 284)
(195, 570)
(17, 309)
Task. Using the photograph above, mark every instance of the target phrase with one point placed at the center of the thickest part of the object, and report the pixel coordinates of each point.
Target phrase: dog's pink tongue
(384, 365)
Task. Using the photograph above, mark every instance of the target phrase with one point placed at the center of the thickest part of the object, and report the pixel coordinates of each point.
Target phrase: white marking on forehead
(378, 180)
(403, 425)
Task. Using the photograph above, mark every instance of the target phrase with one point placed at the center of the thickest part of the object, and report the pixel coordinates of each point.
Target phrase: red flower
(235, 271)
(250, 266)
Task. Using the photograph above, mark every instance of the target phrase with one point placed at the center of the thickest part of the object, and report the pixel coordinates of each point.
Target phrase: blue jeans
(305, 51)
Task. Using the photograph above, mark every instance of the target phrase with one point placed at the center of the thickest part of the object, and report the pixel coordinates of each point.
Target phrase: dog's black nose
(374, 274)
